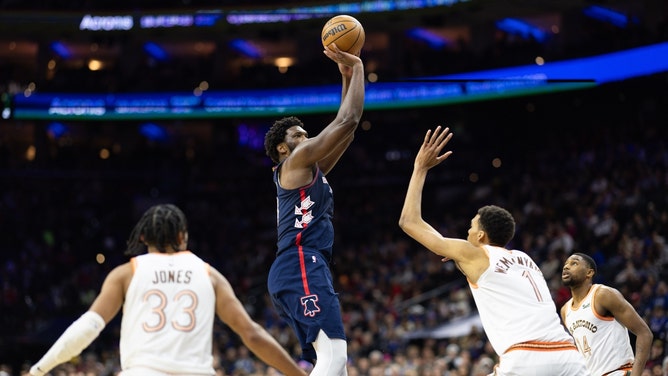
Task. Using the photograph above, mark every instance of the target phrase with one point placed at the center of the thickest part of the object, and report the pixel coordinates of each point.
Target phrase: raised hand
(341, 57)
(430, 151)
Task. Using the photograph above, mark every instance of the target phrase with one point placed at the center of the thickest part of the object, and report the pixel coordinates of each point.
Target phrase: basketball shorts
(541, 363)
(302, 293)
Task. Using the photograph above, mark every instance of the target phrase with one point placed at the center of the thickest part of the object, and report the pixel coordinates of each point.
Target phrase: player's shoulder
(604, 288)
(121, 273)
(123, 268)
(565, 307)
(605, 293)
(502, 251)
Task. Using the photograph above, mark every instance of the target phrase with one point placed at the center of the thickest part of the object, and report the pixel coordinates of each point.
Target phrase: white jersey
(603, 341)
(168, 315)
(515, 304)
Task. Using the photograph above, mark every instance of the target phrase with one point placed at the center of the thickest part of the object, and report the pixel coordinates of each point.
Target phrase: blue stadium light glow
(206, 19)
(433, 40)
(600, 69)
(323, 11)
(607, 15)
(245, 48)
(151, 21)
(56, 130)
(576, 74)
(61, 49)
(155, 51)
(251, 136)
(522, 28)
(153, 132)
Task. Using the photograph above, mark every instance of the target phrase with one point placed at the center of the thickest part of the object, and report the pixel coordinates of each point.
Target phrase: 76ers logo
(310, 305)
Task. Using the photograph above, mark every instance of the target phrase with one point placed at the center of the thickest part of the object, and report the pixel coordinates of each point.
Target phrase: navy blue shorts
(302, 292)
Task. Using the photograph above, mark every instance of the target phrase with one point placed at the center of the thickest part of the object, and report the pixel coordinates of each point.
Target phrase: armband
(71, 343)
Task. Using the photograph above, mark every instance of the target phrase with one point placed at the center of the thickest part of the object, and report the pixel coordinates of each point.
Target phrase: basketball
(346, 31)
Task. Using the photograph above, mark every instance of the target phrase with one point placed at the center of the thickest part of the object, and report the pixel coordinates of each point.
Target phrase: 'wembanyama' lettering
(505, 263)
(172, 276)
(583, 324)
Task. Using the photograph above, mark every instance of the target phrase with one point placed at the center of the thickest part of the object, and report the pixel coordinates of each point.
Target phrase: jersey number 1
(536, 291)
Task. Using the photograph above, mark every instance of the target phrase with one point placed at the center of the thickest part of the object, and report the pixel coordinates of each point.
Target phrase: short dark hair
(159, 226)
(498, 224)
(276, 134)
(589, 260)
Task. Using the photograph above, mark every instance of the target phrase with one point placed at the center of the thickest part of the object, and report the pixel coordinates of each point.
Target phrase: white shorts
(144, 371)
(541, 363)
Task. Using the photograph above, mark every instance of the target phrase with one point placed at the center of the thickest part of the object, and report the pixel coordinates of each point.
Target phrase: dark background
(592, 161)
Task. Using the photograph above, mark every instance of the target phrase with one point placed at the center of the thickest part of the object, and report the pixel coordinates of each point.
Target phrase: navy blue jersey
(304, 216)
(299, 281)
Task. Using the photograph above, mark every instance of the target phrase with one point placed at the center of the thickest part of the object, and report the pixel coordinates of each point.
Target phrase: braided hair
(160, 226)
(276, 135)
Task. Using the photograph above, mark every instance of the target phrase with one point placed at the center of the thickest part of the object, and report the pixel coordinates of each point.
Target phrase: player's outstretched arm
(230, 310)
(411, 220)
(329, 145)
(466, 256)
(82, 332)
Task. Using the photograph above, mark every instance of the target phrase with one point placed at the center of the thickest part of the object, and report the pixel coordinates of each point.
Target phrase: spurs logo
(303, 210)
(310, 305)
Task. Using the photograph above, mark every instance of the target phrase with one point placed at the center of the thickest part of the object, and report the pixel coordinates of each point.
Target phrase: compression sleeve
(71, 343)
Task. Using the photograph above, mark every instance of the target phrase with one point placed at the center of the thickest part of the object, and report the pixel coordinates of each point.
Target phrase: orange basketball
(346, 31)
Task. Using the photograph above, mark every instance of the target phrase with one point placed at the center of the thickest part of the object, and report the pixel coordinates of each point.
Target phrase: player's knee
(339, 354)
(339, 361)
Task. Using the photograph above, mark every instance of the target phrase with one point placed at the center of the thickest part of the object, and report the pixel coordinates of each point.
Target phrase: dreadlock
(276, 135)
(160, 227)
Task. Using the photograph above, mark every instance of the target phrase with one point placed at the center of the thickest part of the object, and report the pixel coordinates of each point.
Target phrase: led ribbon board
(429, 91)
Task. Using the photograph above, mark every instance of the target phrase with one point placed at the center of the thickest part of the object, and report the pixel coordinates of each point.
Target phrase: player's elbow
(405, 223)
(350, 120)
(647, 333)
(253, 335)
(402, 222)
(411, 225)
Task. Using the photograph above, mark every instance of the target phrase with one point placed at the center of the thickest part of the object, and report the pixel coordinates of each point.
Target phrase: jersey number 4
(187, 315)
(583, 345)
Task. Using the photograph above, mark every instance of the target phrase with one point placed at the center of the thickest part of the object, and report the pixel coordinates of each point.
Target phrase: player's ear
(590, 273)
(282, 148)
(183, 240)
(482, 235)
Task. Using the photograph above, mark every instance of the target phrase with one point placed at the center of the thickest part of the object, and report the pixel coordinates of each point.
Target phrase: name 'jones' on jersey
(304, 216)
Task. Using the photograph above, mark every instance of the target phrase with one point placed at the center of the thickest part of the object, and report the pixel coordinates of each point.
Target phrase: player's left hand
(429, 154)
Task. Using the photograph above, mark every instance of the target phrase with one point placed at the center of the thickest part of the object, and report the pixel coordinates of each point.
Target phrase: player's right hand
(341, 57)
